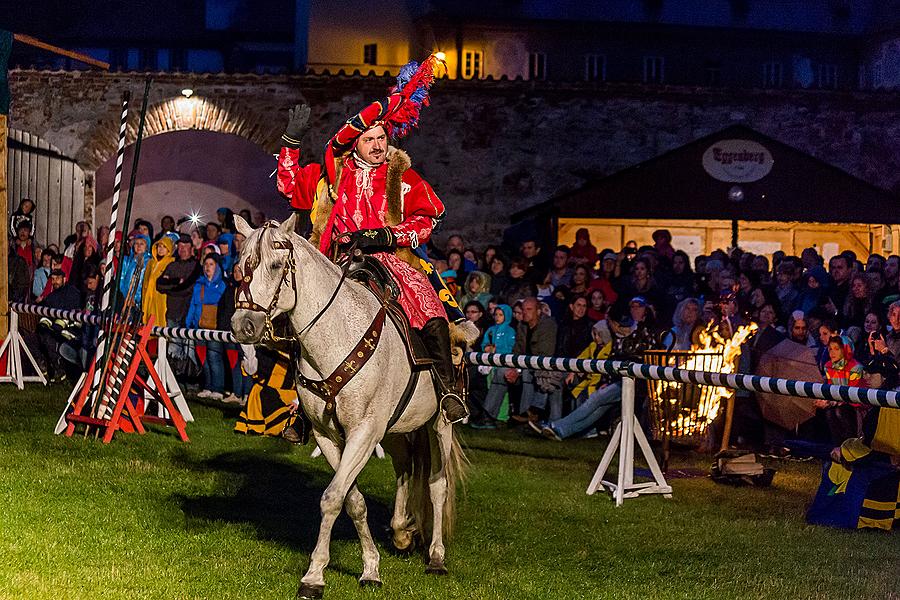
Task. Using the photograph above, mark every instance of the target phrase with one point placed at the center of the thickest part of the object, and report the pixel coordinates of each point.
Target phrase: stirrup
(454, 408)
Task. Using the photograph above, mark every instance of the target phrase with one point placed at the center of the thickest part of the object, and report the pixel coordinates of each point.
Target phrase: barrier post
(627, 431)
(13, 346)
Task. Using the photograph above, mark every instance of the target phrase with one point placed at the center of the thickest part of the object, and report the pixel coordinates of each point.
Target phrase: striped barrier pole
(109, 274)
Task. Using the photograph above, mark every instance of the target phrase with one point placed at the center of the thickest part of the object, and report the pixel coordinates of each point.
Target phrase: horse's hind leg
(440, 438)
(357, 449)
(355, 505)
(402, 523)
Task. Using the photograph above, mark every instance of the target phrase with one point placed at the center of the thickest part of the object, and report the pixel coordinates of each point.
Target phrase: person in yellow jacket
(153, 302)
(598, 349)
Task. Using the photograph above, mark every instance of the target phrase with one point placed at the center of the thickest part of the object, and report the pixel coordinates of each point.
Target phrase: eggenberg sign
(738, 161)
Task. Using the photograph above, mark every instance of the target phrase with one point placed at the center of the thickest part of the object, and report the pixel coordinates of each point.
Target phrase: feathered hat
(398, 113)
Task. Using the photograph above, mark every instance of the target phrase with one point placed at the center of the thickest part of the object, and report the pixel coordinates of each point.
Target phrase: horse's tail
(420, 496)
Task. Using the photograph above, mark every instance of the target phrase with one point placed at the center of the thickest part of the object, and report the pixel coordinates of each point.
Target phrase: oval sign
(737, 161)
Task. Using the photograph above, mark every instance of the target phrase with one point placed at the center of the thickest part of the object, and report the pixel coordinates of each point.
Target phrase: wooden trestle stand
(117, 392)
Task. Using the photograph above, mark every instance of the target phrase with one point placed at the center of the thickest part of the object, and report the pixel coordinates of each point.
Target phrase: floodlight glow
(440, 56)
(187, 92)
(195, 219)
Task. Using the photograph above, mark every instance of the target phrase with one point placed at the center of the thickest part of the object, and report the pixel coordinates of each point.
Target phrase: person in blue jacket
(140, 253)
(203, 313)
(499, 338)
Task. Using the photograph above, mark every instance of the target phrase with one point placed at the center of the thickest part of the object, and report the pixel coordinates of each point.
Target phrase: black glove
(298, 119)
(369, 240)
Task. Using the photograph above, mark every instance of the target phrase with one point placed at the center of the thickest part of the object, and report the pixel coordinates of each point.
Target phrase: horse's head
(266, 282)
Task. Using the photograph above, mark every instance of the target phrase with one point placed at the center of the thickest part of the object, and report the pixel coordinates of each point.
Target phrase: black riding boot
(436, 334)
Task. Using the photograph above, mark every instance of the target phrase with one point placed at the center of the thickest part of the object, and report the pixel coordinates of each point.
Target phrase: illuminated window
(828, 77)
(772, 75)
(473, 64)
(654, 69)
(595, 67)
(370, 54)
(537, 65)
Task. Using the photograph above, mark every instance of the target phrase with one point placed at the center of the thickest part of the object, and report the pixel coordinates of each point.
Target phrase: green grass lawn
(228, 516)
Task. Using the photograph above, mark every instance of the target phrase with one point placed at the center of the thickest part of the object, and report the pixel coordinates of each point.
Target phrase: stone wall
(490, 148)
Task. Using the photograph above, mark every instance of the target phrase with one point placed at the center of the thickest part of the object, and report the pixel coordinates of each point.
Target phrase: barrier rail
(627, 432)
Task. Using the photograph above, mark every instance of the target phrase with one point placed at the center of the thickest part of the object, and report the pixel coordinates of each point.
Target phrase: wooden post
(4, 234)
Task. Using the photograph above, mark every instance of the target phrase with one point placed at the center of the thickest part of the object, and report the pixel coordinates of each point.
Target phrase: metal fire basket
(681, 412)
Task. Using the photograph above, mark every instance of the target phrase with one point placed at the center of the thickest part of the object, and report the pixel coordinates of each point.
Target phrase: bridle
(288, 272)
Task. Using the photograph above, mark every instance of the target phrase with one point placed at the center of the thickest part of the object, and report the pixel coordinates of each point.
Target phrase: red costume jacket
(368, 198)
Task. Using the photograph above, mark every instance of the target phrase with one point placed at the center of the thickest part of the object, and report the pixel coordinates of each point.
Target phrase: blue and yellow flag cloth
(6, 41)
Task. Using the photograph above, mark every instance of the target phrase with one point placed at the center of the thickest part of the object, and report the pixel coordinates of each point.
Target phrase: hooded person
(477, 288)
(154, 300)
(136, 260)
(23, 214)
(226, 249)
(843, 420)
(366, 195)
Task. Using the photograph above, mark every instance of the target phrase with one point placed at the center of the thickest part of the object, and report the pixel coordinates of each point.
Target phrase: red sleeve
(297, 183)
(422, 211)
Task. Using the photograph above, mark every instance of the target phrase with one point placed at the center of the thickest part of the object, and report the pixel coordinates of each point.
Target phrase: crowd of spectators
(576, 301)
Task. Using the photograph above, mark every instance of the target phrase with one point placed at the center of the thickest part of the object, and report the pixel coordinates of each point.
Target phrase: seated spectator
(597, 305)
(53, 332)
(23, 243)
(19, 277)
(581, 281)
(798, 331)
(560, 272)
(631, 337)
(477, 289)
(537, 264)
(680, 282)
(574, 333)
(686, 326)
(499, 274)
(517, 287)
(662, 242)
(598, 349)
(42, 274)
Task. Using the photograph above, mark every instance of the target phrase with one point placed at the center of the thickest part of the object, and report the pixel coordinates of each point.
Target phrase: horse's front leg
(440, 440)
(357, 449)
(355, 505)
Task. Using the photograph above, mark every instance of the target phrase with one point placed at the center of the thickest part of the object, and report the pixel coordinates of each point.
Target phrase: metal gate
(39, 171)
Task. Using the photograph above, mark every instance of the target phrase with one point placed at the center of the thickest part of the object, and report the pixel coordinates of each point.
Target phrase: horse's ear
(242, 226)
(289, 224)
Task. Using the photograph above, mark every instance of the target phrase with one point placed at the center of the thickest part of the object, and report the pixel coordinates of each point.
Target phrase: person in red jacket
(366, 194)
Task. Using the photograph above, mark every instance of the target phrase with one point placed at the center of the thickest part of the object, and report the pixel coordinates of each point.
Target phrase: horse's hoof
(372, 583)
(436, 568)
(308, 591)
(404, 540)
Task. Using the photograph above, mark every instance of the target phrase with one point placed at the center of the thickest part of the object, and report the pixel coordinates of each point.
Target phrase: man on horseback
(366, 196)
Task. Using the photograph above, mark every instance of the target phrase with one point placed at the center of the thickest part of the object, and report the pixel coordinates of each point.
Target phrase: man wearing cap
(177, 283)
(366, 194)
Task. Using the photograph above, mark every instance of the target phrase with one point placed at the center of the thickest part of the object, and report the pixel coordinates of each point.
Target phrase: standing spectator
(23, 245)
(166, 226)
(686, 326)
(681, 280)
(815, 290)
(839, 270)
(841, 369)
(499, 274)
(798, 330)
(203, 314)
(537, 266)
(19, 278)
(581, 281)
(85, 257)
(560, 273)
(859, 301)
(144, 227)
(154, 300)
(784, 288)
(499, 338)
(23, 215)
(213, 231)
(584, 252)
(177, 283)
(240, 382)
(891, 271)
(245, 213)
(456, 263)
(226, 220)
(662, 241)
(140, 254)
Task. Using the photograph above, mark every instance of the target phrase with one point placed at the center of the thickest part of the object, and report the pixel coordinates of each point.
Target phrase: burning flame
(714, 352)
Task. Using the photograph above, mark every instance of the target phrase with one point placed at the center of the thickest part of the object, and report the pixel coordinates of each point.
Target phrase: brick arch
(229, 116)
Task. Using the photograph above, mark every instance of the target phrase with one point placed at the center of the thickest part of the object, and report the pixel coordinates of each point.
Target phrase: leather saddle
(368, 271)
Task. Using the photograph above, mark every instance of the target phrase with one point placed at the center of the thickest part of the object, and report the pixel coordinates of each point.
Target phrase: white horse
(284, 273)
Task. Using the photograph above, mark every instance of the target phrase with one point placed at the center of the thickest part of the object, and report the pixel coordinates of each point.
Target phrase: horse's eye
(276, 265)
